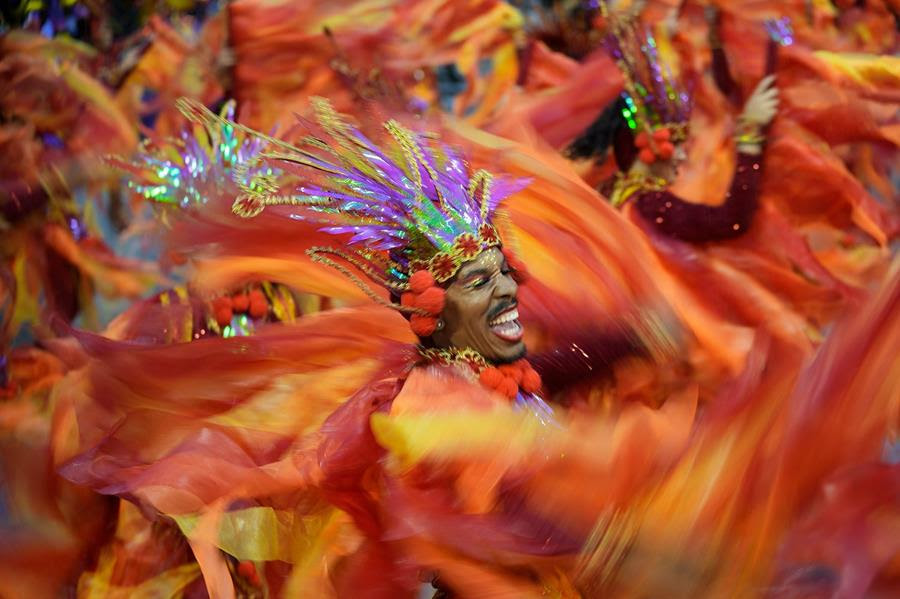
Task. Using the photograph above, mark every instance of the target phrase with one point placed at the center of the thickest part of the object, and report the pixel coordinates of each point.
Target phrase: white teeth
(508, 316)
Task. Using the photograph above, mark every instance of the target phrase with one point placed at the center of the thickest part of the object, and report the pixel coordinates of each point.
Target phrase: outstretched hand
(760, 109)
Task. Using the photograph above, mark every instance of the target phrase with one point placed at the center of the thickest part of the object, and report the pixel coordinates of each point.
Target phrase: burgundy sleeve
(687, 221)
(20, 198)
(587, 355)
(722, 76)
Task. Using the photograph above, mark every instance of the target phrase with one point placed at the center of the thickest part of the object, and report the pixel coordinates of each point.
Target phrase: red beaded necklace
(505, 379)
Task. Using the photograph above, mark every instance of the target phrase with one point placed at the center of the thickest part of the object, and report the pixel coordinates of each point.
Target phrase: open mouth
(507, 326)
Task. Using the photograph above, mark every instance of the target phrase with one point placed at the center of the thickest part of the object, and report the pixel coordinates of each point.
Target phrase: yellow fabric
(169, 585)
(502, 434)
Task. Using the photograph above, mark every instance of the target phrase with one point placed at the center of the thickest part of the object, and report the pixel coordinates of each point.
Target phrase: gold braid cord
(468, 357)
(320, 254)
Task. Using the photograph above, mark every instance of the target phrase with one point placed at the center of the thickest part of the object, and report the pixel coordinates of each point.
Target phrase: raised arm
(720, 70)
(688, 221)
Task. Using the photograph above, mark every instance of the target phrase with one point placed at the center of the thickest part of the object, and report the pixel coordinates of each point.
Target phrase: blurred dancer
(740, 246)
(447, 464)
(57, 121)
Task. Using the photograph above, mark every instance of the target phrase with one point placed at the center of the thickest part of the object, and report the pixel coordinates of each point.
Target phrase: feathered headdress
(211, 159)
(413, 211)
(656, 107)
(408, 207)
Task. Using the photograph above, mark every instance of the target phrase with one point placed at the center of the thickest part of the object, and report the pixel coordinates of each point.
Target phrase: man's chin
(512, 356)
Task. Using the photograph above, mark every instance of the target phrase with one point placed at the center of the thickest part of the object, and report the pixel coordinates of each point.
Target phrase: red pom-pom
(641, 139)
(647, 156)
(258, 308)
(223, 315)
(531, 380)
(240, 302)
(666, 150)
(408, 299)
(420, 281)
(498, 380)
(221, 303)
(258, 295)
(662, 134)
(248, 571)
(421, 325)
(508, 388)
(431, 300)
(491, 377)
(512, 371)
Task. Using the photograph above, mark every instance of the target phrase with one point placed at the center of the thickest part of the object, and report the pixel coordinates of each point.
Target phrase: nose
(506, 287)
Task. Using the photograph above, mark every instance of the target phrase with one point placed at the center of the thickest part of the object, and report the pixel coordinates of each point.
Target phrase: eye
(479, 282)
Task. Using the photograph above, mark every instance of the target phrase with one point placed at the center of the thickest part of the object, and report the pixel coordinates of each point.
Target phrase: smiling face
(481, 312)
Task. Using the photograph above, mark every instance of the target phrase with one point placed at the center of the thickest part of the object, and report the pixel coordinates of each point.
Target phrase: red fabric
(431, 300)
(420, 281)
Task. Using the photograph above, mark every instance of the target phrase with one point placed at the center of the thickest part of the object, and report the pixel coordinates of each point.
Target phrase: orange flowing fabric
(697, 510)
(287, 52)
(322, 458)
(282, 419)
(818, 241)
(239, 433)
(45, 517)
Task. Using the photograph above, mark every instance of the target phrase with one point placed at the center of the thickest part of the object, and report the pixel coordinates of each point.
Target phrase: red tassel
(498, 379)
(425, 295)
(491, 377)
(508, 388)
(431, 300)
(259, 304)
(420, 281)
(641, 139)
(662, 134)
(222, 310)
(422, 326)
(647, 156)
(223, 316)
(666, 150)
(531, 380)
(220, 303)
(248, 570)
(512, 371)
(240, 302)
(258, 309)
